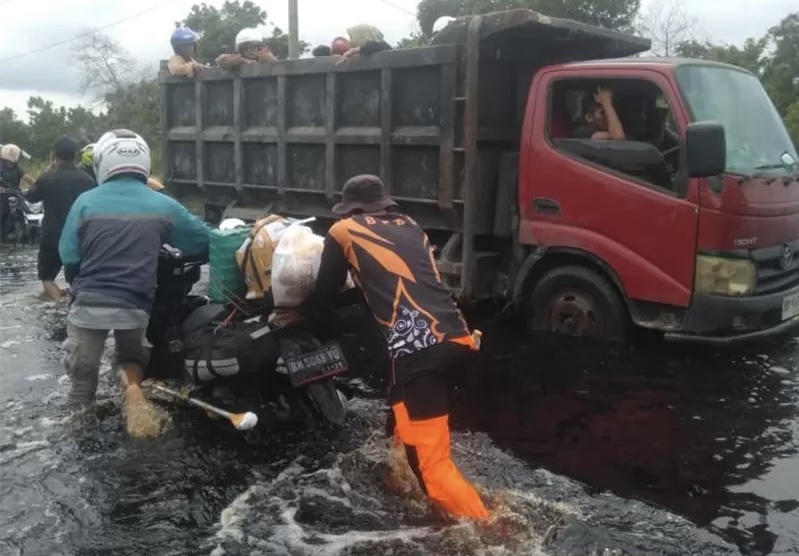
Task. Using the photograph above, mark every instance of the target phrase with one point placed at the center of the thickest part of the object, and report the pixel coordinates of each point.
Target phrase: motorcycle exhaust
(242, 421)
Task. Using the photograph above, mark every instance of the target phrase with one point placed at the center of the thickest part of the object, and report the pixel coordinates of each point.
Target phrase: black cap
(65, 148)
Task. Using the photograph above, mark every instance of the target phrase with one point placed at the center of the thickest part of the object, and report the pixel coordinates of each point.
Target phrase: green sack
(226, 279)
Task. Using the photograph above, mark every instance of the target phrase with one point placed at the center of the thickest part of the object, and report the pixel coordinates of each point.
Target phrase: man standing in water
(57, 189)
(109, 247)
(391, 259)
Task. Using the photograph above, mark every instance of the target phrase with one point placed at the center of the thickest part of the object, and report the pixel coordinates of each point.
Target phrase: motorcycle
(22, 220)
(232, 357)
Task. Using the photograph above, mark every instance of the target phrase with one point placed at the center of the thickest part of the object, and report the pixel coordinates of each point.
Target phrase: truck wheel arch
(544, 259)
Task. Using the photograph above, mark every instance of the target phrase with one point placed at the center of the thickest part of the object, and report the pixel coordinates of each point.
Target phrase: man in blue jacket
(109, 248)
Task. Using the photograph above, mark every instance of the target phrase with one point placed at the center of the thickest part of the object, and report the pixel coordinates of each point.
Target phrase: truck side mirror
(705, 149)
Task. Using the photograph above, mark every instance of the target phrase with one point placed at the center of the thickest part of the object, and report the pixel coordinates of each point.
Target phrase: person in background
(391, 260)
(601, 116)
(109, 247)
(251, 48)
(87, 165)
(12, 176)
(183, 63)
(441, 23)
(364, 40)
(339, 46)
(57, 189)
(11, 172)
(87, 161)
(321, 51)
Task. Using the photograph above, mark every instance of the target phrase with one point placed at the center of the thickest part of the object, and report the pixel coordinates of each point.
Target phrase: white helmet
(121, 151)
(248, 36)
(442, 22)
(10, 152)
(232, 224)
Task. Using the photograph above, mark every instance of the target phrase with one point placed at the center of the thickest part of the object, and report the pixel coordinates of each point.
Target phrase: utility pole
(294, 41)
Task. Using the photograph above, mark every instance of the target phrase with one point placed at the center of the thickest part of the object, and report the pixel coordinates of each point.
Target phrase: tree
(792, 123)
(667, 24)
(781, 72)
(218, 28)
(105, 66)
(751, 56)
(612, 14)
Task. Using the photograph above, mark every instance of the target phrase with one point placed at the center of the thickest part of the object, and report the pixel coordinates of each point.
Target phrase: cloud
(51, 73)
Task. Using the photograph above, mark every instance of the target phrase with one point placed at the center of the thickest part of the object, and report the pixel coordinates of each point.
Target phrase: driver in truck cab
(109, 247)
(391, 260)
(251, 48)
(183, 63)
(603, 121)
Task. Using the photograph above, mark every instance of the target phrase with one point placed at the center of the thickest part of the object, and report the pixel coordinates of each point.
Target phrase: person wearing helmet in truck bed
(183, 63)
(364, 40)
(391, 260)
(251, 48)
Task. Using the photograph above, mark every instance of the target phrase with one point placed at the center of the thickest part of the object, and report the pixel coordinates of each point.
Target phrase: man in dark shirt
(58, 188)
(391, 260)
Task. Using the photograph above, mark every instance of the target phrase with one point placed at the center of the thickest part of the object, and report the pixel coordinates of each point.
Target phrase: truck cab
(693, 218)
(688, 226)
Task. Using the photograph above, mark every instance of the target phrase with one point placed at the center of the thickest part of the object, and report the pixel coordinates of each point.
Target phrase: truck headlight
(722, 276)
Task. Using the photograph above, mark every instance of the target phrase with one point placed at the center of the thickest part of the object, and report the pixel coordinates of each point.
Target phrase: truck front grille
(772, 274)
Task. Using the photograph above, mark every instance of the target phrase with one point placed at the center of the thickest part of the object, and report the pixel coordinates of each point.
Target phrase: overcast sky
(29, 25)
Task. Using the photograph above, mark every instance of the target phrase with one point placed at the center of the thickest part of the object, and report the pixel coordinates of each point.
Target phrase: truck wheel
(576, 301)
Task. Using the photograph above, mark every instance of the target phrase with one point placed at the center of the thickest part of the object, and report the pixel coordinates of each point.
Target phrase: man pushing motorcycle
(391, 260)
(109, 247)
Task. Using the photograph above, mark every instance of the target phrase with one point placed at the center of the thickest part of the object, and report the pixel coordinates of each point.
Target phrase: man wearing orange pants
(391, 260)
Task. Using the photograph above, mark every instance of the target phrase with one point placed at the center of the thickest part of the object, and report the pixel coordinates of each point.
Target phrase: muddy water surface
(581, 449)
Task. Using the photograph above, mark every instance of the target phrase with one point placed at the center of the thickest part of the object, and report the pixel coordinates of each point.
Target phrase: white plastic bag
(295, 265)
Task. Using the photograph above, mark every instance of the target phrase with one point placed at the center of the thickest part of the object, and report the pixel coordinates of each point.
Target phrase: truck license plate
(316, 365)
(790, 306)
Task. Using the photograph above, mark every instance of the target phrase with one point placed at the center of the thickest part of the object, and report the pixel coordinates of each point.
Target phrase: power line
(82, 35)
(396, 7)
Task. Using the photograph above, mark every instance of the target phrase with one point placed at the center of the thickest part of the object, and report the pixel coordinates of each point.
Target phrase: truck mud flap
(327, 401)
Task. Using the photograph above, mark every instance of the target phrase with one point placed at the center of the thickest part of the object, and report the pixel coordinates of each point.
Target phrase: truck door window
(650, 152)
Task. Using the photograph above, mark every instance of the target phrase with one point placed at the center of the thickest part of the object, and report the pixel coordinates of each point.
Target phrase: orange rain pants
(418, 394)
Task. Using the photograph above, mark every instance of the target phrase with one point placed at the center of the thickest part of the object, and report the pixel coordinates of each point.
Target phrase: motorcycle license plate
(316, 365)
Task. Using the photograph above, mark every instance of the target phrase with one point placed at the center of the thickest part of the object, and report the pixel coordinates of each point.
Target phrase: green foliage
(792, 122)
(613, 14)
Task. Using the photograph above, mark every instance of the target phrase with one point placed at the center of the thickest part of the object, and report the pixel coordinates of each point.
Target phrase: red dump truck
(690, 226)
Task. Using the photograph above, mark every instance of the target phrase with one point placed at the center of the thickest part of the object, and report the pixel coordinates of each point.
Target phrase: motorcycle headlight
(35, 208)
(722, 276)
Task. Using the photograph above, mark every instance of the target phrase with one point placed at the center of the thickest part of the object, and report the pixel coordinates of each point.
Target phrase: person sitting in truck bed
(603, 121)
(184, 44)
(322, 51)
(251, 48)
(365, 40)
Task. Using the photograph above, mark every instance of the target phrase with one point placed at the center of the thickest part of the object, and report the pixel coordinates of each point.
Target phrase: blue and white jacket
(112, 235)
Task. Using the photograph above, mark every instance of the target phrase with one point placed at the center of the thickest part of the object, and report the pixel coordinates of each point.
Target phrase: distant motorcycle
(21, 220)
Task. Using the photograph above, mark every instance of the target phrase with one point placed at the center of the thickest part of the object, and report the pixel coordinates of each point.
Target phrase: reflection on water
(710, 436)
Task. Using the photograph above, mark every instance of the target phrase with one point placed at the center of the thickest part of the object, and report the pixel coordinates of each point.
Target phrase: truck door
(622, 202)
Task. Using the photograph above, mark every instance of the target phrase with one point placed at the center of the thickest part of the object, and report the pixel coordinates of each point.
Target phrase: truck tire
(577, 301)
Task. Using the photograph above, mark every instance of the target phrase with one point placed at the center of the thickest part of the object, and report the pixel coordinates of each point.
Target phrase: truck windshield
(757, 141)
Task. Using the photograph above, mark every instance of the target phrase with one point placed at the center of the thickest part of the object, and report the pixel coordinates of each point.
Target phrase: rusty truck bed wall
(285, 136)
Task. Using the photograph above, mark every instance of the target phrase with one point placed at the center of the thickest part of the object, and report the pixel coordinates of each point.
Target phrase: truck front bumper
(719, 320)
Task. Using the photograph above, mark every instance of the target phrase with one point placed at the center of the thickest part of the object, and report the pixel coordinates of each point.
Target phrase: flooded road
(581, 450)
